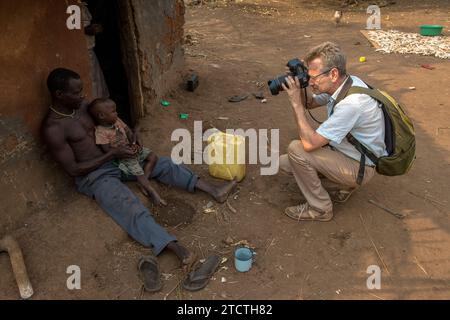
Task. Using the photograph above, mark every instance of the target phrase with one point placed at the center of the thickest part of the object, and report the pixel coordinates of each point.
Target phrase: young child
(111, 132)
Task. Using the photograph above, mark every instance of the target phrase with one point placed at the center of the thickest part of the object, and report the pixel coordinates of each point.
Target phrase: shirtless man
(68, 131)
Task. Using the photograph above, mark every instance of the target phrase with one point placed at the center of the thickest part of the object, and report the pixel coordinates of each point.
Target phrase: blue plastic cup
(243, 259)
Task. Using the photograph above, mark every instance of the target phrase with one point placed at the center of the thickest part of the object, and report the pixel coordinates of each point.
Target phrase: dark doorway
(108, 51)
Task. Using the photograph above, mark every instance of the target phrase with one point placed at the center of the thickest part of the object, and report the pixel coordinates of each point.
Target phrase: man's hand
(293, 90)
(123, 152)
(137, 138)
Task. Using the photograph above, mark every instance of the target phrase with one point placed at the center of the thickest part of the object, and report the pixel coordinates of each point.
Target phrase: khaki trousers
(339, 173)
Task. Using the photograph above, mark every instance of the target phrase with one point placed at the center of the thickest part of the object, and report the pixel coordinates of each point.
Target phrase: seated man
(68, 131)
(326, 151)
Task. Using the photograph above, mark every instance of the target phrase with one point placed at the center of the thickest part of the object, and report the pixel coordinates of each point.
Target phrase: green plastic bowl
(430, 30)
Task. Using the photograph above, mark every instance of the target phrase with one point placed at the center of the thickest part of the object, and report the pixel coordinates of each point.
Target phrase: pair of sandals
(196, 280)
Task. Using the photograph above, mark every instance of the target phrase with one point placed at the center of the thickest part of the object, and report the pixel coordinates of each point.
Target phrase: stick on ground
(379, 205)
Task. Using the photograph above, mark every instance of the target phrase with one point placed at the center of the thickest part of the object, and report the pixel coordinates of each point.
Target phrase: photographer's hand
(293, 90)
(309, 138)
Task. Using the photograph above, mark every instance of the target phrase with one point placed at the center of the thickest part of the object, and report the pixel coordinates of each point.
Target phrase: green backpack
(399, 135)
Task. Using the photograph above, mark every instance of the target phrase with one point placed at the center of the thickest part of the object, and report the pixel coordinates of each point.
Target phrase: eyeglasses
(320, 74)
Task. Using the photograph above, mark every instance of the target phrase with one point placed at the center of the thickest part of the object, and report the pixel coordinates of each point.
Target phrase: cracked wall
(154, 30)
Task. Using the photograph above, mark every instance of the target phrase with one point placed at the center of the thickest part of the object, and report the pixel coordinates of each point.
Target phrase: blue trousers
(120, 203)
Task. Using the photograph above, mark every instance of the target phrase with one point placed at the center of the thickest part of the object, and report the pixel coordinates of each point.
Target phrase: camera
(296, 69)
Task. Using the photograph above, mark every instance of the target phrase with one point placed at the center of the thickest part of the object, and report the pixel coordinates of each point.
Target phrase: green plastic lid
(184, 116)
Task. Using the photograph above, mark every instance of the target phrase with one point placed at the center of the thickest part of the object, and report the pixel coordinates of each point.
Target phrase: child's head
(103, 110)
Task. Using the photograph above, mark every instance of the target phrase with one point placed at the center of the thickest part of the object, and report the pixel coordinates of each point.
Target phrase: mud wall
(34, 40)
(152, 32)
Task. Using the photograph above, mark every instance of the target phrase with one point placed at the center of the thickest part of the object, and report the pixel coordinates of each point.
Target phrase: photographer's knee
(295, 148)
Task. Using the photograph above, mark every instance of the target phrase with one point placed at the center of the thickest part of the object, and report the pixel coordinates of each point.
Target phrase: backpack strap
(377, 95)
(347, 89)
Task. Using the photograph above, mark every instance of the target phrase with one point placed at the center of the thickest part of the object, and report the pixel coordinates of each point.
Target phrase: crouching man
(326, 166)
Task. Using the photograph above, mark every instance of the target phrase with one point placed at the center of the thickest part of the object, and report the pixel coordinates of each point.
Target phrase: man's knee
(296, 151)
(295, 147)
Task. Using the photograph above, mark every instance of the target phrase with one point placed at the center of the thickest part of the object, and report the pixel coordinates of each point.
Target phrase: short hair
(59, 78)
(93, 107)
(331, 54)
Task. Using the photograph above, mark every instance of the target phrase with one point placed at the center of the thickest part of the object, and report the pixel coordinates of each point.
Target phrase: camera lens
(275, 85)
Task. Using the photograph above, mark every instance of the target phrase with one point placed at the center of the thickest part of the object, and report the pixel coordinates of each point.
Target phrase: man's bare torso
(78, 132)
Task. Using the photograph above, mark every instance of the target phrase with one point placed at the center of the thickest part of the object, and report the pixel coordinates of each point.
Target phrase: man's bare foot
(220, 194)
(186, 257)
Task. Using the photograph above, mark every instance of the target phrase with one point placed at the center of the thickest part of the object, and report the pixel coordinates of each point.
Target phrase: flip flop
(237, 98)
(150, 273)
(199, 278)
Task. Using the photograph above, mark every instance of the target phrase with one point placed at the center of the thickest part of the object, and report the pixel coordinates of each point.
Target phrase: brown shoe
(305, 213)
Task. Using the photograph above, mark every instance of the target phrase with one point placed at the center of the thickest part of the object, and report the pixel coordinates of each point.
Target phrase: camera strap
(306, 107)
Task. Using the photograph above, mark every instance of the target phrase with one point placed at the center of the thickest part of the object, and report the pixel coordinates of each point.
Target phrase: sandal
(199, 278)
(238, 98)
(150, 273)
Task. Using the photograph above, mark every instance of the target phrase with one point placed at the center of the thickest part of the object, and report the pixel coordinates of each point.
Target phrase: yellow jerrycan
(226, 155)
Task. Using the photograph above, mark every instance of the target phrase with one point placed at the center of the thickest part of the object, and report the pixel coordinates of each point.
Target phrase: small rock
(209, 204)
(229, 241)
(223, 280)
(209, 210)
(166, 276)
(264, 101)
(412, 88)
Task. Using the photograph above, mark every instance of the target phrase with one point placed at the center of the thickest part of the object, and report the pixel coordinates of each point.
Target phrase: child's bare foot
(220, 194)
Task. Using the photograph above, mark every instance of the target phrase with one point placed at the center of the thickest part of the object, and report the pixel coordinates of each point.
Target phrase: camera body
(296, 69)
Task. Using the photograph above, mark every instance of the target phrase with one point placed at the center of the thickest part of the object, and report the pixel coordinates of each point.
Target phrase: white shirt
(358, 114)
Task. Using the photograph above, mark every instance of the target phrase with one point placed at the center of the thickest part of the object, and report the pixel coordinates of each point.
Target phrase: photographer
(323, 159)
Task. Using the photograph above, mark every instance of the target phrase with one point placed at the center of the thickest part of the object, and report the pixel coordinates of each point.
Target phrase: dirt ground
(234, 47)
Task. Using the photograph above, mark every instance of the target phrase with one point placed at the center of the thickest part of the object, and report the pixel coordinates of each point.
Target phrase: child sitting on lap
(111, 132)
